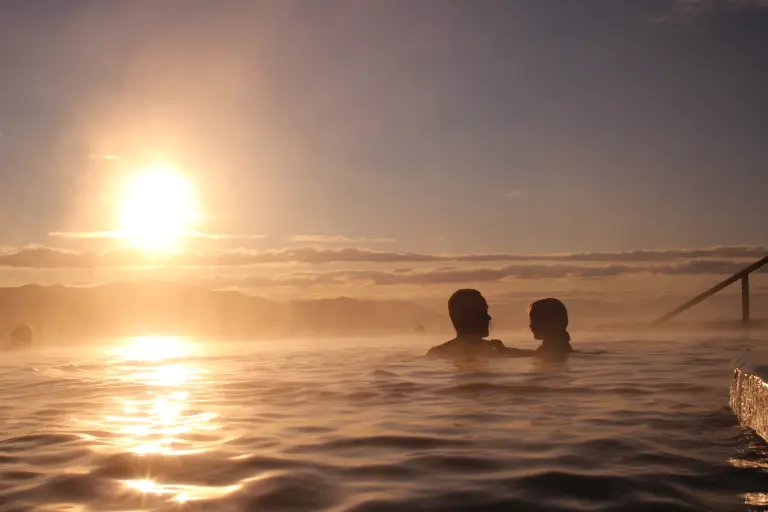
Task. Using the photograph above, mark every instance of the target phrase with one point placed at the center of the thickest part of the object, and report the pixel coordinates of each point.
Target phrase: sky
(433, 128)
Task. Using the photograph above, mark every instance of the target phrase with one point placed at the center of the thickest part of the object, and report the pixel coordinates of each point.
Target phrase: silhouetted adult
(468, 310)
(549, 324)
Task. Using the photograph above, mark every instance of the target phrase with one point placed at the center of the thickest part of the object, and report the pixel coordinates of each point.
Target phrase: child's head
(469, 313)
(549, 319)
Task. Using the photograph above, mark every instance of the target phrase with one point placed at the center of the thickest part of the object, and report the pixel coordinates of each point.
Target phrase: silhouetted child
(468, 310)
(549, 324)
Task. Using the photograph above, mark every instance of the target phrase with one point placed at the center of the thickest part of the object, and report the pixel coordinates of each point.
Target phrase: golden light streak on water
(181, 493)
(162, 418)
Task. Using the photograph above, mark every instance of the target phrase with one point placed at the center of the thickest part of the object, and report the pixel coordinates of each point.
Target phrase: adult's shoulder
(439, 350)
(465, 348)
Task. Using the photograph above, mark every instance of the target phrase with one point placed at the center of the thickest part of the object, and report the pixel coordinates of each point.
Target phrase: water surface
(369, 425)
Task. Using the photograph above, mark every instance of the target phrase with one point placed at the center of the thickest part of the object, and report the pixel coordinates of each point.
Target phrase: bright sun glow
(153, 348)
(159, 209)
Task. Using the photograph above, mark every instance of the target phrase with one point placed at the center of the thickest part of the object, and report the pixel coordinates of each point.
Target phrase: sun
(159, 208)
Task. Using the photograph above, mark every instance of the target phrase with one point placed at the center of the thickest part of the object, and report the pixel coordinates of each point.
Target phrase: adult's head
(549, 320)
(468, 310)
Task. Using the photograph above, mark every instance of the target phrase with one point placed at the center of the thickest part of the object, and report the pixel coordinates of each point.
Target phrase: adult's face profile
(468, 310)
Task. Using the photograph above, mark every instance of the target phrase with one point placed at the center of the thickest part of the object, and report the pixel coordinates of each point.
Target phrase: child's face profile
(537, 329)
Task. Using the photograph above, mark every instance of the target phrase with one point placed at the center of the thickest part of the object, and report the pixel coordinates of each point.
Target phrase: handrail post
(745, 299)
(743, 275)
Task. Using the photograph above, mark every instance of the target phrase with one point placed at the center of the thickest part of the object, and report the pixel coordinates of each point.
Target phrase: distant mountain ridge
(161, 307)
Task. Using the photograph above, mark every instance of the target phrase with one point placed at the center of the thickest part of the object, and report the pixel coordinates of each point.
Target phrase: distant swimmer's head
(549, 320)
(22, 334)
(468, 310)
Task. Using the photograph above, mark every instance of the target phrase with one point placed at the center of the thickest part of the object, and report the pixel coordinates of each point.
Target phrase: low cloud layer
(715, 260)
(475, 275)
(337, 239)
(115, 234)
(85, 235)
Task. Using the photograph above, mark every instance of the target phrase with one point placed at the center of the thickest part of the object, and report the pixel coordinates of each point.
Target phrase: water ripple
(163, 424)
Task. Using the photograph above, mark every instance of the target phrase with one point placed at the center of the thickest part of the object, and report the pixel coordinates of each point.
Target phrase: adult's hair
(551, 313)
(468, 310)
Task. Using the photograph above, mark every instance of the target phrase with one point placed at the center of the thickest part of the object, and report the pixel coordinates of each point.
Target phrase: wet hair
(468, 310)
(550, 312)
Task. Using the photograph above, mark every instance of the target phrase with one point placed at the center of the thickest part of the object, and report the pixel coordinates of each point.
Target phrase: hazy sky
(470, 126)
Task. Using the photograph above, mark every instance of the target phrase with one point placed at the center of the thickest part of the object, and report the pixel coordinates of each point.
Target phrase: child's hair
(550, 312)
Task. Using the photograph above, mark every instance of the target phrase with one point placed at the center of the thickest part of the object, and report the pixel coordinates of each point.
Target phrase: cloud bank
(115, 234)
(337, 239)
(714, 260)
(400, 277)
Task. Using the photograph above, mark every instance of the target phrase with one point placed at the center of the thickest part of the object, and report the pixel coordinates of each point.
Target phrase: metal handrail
(742, 274)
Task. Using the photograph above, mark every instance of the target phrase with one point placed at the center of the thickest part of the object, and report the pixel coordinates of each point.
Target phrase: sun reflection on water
(162, 416)
(181, 493)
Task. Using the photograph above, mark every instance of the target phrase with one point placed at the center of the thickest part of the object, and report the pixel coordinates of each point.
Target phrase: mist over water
(370, 425)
